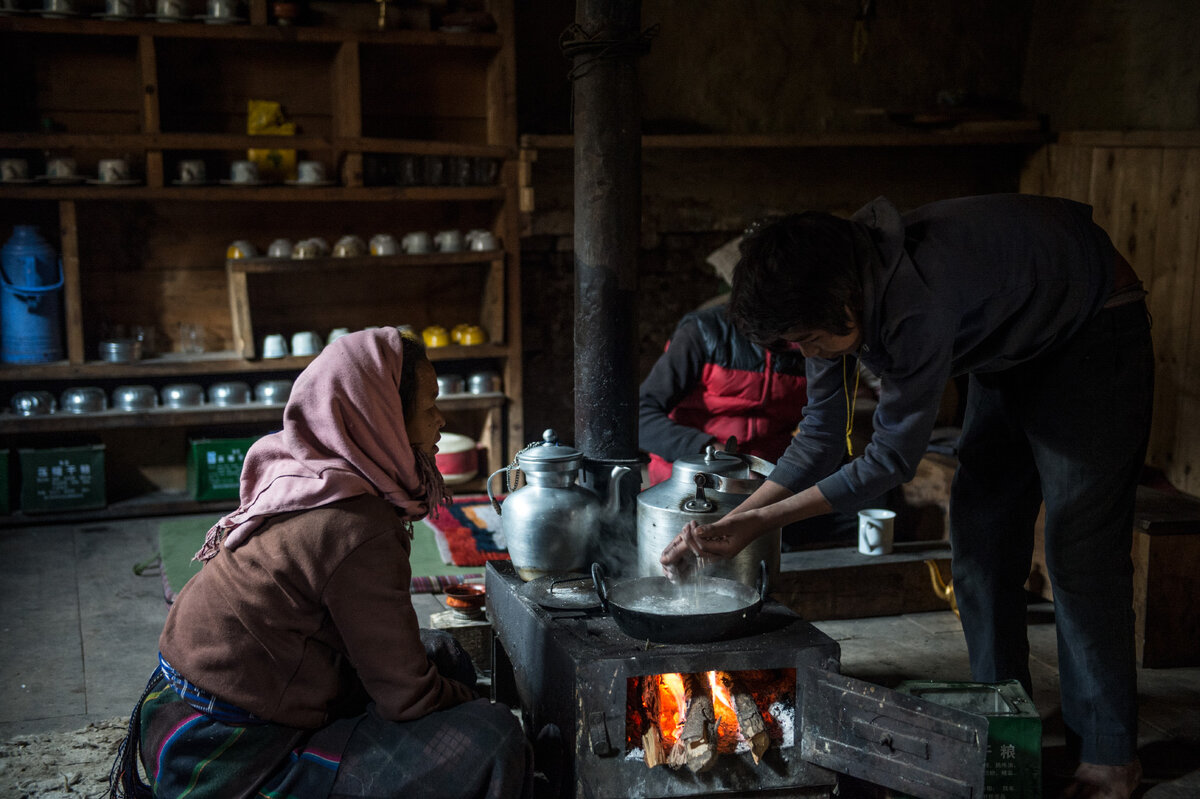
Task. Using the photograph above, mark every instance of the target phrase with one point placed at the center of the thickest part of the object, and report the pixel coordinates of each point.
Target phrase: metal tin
(83, 399)
(120, 350)
(273, 392)
(33, 403)
(450, 384)
(183, 395)
(225, 394)
(135, 398)
(484, 383)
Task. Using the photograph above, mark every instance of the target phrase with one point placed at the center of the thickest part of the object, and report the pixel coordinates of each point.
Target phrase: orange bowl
(468, 596)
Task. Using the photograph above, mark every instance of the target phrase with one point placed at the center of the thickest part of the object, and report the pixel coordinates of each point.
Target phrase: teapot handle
(491, 496)
(601, 585)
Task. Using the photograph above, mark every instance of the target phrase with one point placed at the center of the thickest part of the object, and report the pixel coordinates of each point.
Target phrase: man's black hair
(799, 270)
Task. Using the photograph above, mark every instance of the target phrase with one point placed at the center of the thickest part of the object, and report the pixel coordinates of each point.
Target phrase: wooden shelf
(205, 415)
(241, 141)
(262, 33)
(157, 503)
(932, 138)
(278, 266)
(279, 193)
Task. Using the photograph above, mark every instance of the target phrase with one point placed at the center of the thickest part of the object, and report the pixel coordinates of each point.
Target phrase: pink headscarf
(343, 435)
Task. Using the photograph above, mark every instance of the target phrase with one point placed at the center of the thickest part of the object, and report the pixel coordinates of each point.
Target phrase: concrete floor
(79, 633)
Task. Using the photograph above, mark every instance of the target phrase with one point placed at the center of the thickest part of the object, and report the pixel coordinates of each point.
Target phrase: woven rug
(469, 532)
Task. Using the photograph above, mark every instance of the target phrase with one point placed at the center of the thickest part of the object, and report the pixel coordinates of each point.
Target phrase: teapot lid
(549, 455)
(713, 461)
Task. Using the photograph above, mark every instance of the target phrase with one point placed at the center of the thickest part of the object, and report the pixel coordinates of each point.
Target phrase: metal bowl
(33, 403)
(450, 384)
(484, 383)
(135, 398)
(273, 392)
(83, 399)
(225, 394)
(120, 350)
(183, 395)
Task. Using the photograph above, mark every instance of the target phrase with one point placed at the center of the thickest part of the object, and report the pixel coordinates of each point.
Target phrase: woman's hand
(698, 543)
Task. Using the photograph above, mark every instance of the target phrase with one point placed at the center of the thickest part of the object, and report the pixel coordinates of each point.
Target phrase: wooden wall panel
(1146, 194)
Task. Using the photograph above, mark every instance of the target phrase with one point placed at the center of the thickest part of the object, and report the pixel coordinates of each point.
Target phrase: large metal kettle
(550, 521)
(704, 488)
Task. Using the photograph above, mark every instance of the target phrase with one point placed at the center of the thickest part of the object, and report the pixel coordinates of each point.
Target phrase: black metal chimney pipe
(608, 207)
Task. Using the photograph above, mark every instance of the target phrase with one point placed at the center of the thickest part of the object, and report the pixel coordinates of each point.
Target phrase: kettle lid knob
(549, 437)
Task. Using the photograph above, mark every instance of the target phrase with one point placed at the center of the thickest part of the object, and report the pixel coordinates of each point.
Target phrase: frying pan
(655, 609)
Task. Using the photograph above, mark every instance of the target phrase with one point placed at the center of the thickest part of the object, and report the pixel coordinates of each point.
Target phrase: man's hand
(699, 543)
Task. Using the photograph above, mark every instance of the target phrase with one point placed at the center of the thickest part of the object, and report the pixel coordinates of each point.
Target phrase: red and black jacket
(712, 383)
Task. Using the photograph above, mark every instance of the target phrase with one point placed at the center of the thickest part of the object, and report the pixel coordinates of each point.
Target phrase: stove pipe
(604, 45)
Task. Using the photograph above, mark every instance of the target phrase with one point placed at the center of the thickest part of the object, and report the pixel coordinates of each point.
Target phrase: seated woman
(292, 664)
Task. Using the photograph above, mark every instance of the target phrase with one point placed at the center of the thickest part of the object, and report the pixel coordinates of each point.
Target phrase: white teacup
(481, 240)
(310, 172)
(417, 242)
(120, 8)
(60, 168)
(876, 531)
(449, 241)
(337, 333)
(222, 9)
(113, 170)
(58, 7)
(243, 172)
(384, 244)
(170, 9)
(14, 169)
(274, 346)
(306, 342)
(280, 248)
(192, 171)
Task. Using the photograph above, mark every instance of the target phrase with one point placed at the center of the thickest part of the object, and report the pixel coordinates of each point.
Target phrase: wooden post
(347, 112)
(151, 121)
(72, 294)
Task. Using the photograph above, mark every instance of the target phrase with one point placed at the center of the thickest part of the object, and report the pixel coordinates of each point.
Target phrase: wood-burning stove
(607, 695)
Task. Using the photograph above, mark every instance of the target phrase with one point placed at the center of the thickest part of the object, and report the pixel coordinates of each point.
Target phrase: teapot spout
(941, 587)
(613, 504)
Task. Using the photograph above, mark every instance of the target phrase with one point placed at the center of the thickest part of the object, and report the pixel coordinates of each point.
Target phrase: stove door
(892, 739)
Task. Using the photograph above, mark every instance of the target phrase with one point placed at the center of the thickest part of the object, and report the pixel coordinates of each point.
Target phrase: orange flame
(670, 707)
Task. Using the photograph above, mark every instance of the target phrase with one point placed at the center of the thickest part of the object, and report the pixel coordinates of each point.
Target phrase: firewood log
(751, 723)
(652, 744)
(699, 733)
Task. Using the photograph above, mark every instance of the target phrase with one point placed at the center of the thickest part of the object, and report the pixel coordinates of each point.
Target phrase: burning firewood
(699, 735)
(750, 720)
(652, 744)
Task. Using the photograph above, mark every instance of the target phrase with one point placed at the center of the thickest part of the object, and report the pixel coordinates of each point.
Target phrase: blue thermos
(31, 281)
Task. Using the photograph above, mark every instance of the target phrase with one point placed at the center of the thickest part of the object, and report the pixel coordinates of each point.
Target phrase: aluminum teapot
(550, 521)
(704, 488)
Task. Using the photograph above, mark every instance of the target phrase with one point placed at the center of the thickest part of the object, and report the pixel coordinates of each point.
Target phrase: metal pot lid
(713, 461)
(549, 456)
(568, 591)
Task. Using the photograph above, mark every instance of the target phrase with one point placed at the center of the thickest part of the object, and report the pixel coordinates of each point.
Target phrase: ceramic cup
(349, 247)
(58, 7)
(310, 172)
(170, 9)
(192, 171)
(60, 168)
(384, 244)
(243, 172)
(481, 240)
(120, 8)
(458, 170)
(221, 9)
(14, 169)
(876, 531)
(306, 342)
(417, 242)
(484, 170)
(449, 241)
(274, 346)
(337, 333)
(435, 336)
(280, 248)
(113, 170)
(241, 249)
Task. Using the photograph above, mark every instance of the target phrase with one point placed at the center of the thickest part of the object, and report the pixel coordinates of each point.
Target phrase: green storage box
(62, 479)
(1014, 756)
(215, 466)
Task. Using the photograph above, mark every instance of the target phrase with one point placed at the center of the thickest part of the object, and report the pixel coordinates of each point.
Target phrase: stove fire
(690, 719)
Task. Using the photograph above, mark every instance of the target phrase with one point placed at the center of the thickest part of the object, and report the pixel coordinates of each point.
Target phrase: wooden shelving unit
(154, 253)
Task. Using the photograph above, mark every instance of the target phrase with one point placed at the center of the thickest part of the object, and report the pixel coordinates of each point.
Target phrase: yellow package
(265, 118)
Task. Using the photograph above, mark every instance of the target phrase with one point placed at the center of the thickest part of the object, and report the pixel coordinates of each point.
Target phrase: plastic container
(31, 282)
